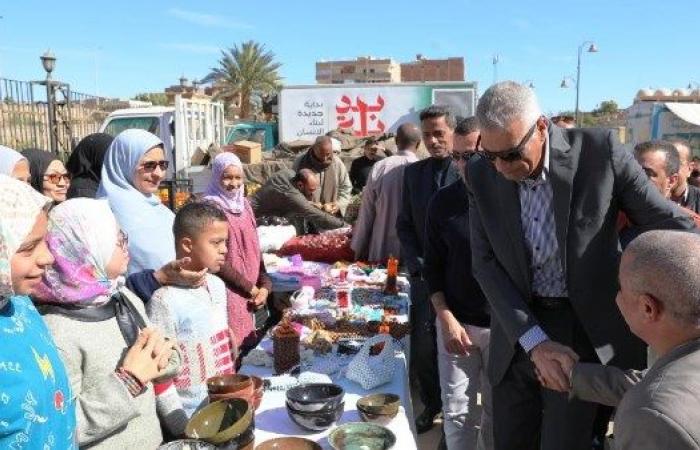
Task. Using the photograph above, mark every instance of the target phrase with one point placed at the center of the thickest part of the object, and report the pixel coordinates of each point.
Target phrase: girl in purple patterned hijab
(226, 185)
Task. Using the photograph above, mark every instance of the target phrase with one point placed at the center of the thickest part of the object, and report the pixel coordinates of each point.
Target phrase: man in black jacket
(460, 305)
(421, 180)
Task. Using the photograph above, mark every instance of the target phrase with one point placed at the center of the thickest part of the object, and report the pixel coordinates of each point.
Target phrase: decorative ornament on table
(285, 341)
(392, 272)
(371, 370)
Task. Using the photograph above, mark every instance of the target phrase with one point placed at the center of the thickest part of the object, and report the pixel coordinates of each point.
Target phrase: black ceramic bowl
(315, 397)
(316, 420)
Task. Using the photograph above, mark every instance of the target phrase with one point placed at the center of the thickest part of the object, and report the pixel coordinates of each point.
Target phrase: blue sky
(120, 48)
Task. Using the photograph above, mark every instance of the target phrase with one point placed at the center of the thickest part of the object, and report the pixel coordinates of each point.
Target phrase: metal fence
(25, 119)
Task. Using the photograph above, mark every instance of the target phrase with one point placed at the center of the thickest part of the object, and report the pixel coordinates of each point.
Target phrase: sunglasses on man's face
(150, 166)
(510, 155)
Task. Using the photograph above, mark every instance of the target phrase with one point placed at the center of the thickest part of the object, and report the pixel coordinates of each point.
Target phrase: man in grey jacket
(288, 194)
(659, 299)
(543, 217)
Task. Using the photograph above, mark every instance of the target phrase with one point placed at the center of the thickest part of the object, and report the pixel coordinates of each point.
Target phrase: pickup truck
(186, 129)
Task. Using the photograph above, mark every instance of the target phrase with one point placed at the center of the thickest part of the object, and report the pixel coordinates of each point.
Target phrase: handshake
(554, 365)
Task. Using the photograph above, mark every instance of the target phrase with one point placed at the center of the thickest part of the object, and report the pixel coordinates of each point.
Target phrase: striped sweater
(197, 320)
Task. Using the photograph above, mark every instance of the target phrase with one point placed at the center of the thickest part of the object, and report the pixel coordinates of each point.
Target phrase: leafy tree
(157, 98)
(246, 73)
(607, 107)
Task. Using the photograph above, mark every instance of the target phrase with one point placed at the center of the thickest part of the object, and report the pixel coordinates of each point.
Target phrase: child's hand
(261, 299)
(143, 359)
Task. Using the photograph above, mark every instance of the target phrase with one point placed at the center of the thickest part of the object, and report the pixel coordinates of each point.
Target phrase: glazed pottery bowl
(223, 422)
(288, 443)
(384, 404)
(379, 419)
(316, 420)
(228, 384)
(358, 435)
(315, 397)
(187, 444)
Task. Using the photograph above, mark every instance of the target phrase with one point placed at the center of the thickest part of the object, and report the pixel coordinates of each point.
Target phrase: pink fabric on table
(244, 255)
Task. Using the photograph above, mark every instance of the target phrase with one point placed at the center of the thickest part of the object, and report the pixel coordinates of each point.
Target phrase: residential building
(423, 69)
(364, 69)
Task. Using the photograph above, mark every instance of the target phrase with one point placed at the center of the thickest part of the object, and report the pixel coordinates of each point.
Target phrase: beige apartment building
(423, 69)
(364, 69)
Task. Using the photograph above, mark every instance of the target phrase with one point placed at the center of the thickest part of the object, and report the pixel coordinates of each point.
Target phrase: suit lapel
(562, 168)
(509, 200)
(452, 175)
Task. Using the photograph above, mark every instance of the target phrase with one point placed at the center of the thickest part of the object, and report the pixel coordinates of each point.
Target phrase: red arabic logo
(369, 121)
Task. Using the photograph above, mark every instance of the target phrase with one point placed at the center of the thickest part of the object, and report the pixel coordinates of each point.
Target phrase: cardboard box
(249, 152)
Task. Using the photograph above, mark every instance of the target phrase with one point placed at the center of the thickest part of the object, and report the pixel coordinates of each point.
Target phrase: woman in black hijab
(48, 175)
(85, 164)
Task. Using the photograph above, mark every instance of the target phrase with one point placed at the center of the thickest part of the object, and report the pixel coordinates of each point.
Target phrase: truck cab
(187, 130)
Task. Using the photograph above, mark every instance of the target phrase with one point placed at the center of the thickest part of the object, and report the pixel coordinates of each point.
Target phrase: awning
(689, 112)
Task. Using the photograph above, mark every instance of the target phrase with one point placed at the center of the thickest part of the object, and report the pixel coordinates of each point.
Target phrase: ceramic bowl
(358, 435)
(316, 420)
(288, 443)
(315, 397)
(379, 419)
(187, 444)
(225, 421)
(385, 404)
(228, 384)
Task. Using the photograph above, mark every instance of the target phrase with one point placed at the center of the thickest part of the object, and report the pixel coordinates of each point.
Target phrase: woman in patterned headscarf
(37, 410)
(100, 328)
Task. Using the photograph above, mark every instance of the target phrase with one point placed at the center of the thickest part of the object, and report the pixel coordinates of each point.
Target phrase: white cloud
(193, 48)
(208, 20)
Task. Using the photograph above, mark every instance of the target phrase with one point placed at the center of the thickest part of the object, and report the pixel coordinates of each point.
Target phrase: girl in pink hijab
(247, 282)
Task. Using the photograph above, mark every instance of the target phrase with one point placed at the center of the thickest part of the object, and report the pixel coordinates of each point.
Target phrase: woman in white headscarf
(133, 168)
(37, 406)
(13, 164)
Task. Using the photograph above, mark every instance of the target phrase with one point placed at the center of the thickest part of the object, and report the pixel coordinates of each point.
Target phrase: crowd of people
(115, 310)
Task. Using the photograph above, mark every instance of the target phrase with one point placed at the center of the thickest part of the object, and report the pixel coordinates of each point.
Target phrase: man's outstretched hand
(175, 274)
(553, 365)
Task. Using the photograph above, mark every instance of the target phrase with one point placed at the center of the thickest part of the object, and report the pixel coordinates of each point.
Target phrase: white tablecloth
(271, 419)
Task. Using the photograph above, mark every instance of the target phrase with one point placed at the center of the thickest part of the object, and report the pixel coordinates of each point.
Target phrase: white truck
(306, 112)
(184, 128)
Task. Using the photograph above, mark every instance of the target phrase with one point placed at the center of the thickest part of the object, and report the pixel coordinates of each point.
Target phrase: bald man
(374, 236)
(335, 188)
(659, 299)
(288, 194)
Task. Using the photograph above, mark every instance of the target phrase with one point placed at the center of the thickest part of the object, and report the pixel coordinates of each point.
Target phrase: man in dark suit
(685, 194)
(421, 180)
(543, 213)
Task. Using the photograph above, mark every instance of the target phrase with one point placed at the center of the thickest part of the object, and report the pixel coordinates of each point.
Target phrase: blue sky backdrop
(120, 48)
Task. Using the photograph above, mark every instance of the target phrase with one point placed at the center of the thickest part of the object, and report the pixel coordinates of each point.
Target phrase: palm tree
(245, 72)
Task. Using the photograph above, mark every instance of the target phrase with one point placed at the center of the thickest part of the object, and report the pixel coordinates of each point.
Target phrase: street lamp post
(48, 60)
(591, 49)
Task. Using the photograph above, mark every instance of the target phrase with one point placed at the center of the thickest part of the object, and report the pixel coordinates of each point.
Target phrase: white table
(272, 421)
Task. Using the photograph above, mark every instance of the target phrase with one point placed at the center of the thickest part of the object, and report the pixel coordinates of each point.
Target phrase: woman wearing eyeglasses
(48, 175)
(133, 168)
